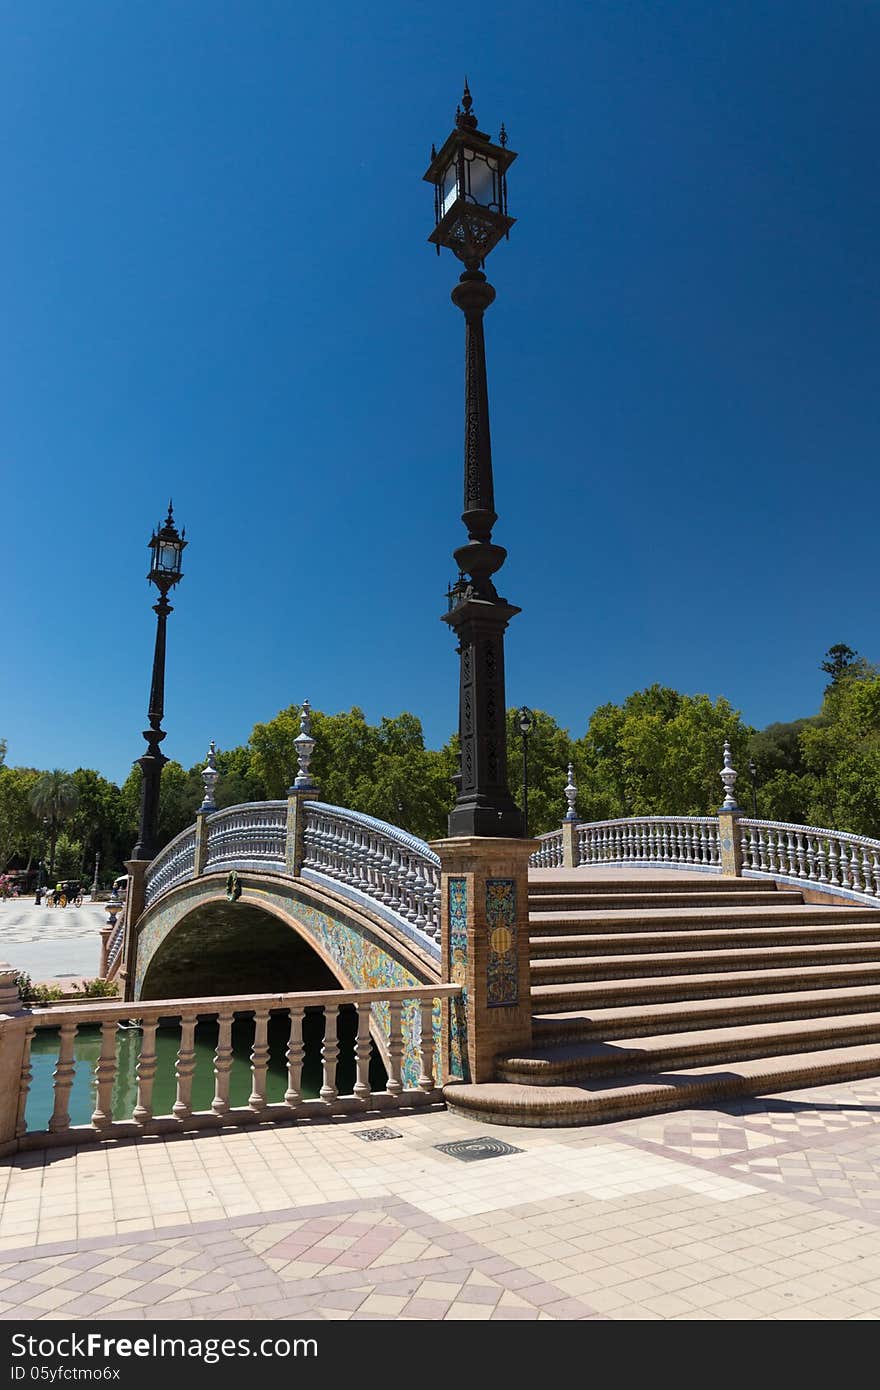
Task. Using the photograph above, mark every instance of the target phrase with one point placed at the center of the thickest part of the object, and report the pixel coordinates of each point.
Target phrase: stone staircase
(657, 991)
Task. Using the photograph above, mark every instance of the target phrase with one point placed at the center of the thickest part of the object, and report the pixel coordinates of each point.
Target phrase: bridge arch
(277, 924)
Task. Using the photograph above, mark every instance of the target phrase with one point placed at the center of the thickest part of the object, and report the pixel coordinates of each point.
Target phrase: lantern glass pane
(482, 179)
(167, 557)
(449, 187)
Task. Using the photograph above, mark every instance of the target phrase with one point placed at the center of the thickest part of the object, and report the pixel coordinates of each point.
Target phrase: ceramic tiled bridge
(662, 962)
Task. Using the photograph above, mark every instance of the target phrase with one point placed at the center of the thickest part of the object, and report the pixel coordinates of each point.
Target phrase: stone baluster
(833, 862)
(801, 857)
(185, 1066)
(26, 1076)
(866, 871)
(420, 921)
(385, 875)
(294, 1057)
(875, 870)
(105, 1075)
(146, 1074)
(395, 1048)
(847, 877)
(223, 1063)
(63, 1076)
(426, 1045)
(409, 909)
(259, 1060)
(811, 858)
(329, 1054)
(362, 1053)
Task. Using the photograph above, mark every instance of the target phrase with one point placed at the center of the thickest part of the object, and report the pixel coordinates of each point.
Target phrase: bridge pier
(134, 906)
(485, 949)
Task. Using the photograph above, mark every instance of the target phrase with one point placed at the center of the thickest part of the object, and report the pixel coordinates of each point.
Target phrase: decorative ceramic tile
(458, 961)
(502, 982)
(372, 1136)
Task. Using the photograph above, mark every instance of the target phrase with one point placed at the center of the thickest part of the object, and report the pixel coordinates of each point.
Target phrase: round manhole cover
(472, 1150)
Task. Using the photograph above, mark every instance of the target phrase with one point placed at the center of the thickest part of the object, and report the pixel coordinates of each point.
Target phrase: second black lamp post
(167, 547)
(469, 174)
(526, 724)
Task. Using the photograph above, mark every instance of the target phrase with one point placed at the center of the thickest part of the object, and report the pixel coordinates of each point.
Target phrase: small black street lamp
(94, 888)
(753, 774)
(469, 175)
(526, 724)
(167, 549)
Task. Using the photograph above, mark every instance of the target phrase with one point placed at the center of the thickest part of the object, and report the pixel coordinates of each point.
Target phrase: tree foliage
(659, 753)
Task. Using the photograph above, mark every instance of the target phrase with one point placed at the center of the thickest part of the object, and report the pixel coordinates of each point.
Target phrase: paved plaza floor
(51, 943)
(762, 1209)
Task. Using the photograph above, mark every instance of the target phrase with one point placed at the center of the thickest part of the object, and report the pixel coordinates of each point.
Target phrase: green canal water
(44, 1053)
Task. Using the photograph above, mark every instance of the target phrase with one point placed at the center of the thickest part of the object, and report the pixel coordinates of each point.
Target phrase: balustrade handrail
(227, 812)
(403, 1022)
(366, 858)
(809, 830)
(102, 1011)
(166, 851)
(393, 832)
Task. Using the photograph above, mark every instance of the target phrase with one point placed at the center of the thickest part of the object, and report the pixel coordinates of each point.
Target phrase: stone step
(679, 1089)
(566, 1063)
(629, 1021)
(589, 902)
(681, 919)
(556, 997)
(599, 944)
(675, 881)
(573, 969)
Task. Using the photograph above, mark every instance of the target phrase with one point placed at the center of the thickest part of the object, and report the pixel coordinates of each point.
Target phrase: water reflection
(44, 1054)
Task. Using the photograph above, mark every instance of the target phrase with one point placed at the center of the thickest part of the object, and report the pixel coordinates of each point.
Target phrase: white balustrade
(677, 841)
(173, 865)
(399, 1023)
(809, 854)
(255, 833)
(377, 860)
(548, 855)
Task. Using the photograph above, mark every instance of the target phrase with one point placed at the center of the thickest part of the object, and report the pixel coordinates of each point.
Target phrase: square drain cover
(472, 1150)
(380, 1132)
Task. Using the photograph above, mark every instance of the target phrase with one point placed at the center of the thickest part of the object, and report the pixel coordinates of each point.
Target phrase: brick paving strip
(127, 1277)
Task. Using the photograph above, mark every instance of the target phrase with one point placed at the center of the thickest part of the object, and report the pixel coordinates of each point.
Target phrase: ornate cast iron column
(167, 547)
(470, 179)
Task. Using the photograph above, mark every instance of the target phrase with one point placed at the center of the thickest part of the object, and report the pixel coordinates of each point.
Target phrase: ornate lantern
(469, 174)
(167, 547)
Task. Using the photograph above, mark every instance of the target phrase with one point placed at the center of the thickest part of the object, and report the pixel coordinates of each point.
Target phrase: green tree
(20, 829)
(657, 754)
(841, 752)
(550, 750)
(54, 797)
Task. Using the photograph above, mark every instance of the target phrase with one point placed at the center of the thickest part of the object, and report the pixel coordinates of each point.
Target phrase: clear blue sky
(217, 286)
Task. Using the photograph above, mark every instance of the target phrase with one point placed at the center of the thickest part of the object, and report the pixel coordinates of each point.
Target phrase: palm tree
(54, 797)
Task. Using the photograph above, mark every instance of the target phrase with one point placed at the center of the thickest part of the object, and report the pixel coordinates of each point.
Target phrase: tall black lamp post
(167, 549)
(753, 774)
(469, 174)
(526, 724)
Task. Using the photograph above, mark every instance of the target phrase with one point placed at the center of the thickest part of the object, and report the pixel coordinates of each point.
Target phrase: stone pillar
(15, 1036)
(485, 948)
(569, 844)
(105, 943)
(201, 849)
(134, 906)
(294, 852)
(730, 843)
